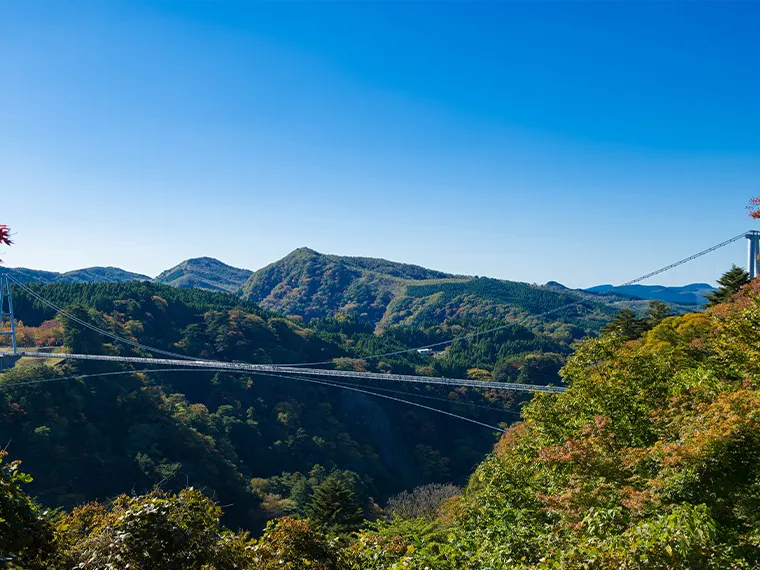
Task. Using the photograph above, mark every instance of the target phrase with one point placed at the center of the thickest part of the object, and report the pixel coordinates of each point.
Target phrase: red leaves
(5, 236)
(754, 208)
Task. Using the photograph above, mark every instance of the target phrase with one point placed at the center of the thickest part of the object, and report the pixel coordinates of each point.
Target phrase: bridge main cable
(295, 371)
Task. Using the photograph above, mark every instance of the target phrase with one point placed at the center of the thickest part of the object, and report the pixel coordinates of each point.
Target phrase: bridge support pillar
(753, 251)
(6, 300)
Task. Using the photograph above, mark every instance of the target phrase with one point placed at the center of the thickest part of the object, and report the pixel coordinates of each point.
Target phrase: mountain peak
(205, 273)
(302, 252)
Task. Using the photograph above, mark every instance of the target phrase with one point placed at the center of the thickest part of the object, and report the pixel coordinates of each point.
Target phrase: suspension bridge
(309, 371)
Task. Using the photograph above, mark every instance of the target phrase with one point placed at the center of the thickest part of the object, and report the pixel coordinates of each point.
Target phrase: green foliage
(104, 436)
(730, 283)
(25, 533)
(627, 325)
(156, 531)
(87, 275)
(204, 273)
(291, 544)
(658, 312)
(649, 460)
(334, 506)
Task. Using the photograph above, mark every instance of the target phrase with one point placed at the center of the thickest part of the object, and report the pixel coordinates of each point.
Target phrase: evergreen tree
(658, 312)
(77, 337)
(334, 506)
(730, 283)
(627, 324)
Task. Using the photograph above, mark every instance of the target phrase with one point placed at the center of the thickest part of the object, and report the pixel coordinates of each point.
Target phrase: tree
(78, 338)
(5, 236)
(422, 502)
(292, 544)
(730, 283)
(156, 531)
(754, 208)
(658, 312)
(334, 506)
(627, 324)
(25, 534)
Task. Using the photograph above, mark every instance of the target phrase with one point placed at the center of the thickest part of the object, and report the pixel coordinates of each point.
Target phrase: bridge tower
(6, 299)
(753, 251)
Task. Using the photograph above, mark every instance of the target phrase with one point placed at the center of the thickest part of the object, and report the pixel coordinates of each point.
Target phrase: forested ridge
(648, 460)
(313, 285)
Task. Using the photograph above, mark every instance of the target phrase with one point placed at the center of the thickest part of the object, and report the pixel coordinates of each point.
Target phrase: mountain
(618, 300)
(311, 284)
(384, 293)
(204, 273)
(86, 275)
(693, 294)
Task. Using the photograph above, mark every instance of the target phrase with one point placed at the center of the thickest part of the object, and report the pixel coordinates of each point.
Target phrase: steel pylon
(6, 300)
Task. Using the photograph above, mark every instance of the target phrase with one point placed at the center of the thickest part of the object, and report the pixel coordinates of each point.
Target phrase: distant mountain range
(310, 284)
(87, 275)
(693, 294)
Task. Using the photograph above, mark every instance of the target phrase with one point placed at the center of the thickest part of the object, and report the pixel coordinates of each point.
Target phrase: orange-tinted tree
(754, 208)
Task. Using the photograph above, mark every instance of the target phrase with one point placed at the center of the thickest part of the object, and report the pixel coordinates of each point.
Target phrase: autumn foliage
(5, 236)
(754, 208)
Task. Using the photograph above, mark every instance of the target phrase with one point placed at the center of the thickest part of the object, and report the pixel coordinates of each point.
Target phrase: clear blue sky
(580, 142)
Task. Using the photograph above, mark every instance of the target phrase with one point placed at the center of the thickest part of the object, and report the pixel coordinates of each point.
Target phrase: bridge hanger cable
(9, 385)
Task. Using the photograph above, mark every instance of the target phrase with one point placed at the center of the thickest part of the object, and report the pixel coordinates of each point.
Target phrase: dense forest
(648, 460)
(258, 444)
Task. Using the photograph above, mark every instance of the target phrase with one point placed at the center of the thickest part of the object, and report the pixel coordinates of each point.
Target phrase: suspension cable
(296, 378)
(92, 327)
(536, 316)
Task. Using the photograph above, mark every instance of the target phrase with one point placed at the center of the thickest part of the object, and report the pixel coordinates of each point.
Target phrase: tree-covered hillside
(314, 285)
(648, 461)
(87, 275)
(221, 432)
(383, 293)
(439, 301)
(204, 273)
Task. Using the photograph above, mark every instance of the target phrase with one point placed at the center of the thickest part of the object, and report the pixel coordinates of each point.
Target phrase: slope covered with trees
(383, 294)
(220, 432)
(87, 275)
(313, 285)
(648, 461)
(204, 273)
